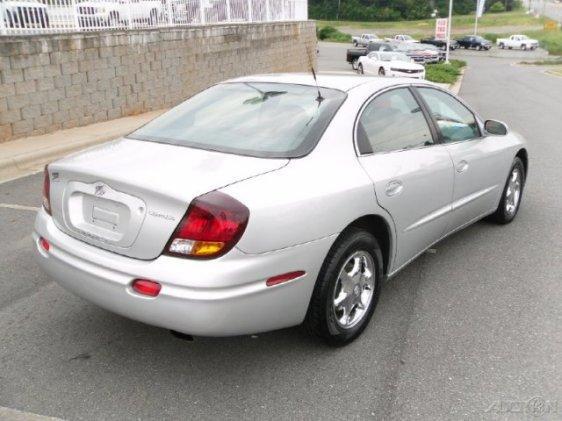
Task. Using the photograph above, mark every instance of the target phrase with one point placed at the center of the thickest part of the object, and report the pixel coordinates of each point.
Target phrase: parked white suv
(522, 42)
(115, 13)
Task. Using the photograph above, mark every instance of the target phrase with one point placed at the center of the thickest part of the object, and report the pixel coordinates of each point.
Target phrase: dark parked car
(441, 43)
(353, 54)
(473, 41)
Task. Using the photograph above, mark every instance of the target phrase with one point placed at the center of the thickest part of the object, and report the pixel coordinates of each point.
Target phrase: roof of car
(343, 82)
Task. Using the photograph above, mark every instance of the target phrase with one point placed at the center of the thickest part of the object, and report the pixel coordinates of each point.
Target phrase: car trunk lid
(128, 196)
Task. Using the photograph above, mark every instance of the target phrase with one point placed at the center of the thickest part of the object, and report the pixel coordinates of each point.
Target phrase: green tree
(389, 10)
(497, 7)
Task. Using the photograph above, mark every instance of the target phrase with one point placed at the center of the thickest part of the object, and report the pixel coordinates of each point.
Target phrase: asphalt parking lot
(470, 329)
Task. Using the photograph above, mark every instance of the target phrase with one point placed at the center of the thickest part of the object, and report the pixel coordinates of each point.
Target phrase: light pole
(449, 24)
(479, 12)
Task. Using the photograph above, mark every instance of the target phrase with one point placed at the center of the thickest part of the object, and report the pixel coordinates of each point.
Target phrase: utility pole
(449, 25)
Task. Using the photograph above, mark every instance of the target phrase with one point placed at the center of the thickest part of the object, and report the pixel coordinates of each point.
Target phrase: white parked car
(392, 64)
(269, 201)
(522, 42)
(24, 14)
(364, 40)
(402, 38)
(115, 13)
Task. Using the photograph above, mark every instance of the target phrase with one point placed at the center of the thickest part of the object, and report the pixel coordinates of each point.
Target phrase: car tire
(360, 69)
(502, 46)
(354, 64)
(512, 194)
(479, 48)
(382, 72)
(355, 44)
(355, 250)
(524, 47)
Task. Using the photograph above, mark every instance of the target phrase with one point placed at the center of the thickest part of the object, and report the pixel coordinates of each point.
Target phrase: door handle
(394, 188)
(462, 166)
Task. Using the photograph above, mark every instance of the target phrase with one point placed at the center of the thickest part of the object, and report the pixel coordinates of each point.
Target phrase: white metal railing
(22, 17)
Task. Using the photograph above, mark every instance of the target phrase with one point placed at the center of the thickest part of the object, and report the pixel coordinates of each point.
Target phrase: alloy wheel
(354, 290)
(513, 192)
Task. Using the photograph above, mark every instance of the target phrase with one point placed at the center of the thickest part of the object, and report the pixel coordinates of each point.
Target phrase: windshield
(269, 120)
(394, 57)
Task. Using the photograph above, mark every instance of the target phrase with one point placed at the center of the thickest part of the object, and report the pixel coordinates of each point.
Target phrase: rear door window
(394, 121)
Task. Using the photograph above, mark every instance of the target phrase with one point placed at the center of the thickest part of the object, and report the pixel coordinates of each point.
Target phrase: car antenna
(320, 98)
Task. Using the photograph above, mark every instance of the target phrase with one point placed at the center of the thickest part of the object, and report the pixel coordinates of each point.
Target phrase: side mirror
(495, 127)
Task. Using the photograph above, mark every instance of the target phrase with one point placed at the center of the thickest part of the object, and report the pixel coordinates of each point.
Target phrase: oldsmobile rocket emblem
(100, 190)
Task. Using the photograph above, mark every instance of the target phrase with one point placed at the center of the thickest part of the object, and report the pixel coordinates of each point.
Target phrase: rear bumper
(222, 297)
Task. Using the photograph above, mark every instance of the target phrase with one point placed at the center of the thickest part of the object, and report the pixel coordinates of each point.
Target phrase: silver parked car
(266, 202)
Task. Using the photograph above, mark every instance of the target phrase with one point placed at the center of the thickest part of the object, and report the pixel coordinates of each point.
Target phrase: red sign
(441, 26)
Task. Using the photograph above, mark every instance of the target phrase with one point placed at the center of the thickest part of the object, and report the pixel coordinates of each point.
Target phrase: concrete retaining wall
(55, 82)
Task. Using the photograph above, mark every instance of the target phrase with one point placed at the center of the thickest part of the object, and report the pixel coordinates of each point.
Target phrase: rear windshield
(271, 120)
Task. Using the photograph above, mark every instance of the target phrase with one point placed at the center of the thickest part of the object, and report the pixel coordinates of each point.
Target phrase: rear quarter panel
(312, 197)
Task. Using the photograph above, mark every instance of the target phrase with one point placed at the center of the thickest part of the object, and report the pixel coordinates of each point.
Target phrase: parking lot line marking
(19, 207)
(15, 415)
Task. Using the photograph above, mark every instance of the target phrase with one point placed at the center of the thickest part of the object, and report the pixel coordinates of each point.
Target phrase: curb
(29, 155)
(456, 87)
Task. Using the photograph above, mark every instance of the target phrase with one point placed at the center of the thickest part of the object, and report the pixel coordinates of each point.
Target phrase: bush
(443, 72)
(491, 37)
(497, 7)
(329, 33)
(459, 64)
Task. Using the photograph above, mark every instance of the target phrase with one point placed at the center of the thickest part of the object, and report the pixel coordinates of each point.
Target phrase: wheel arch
(379, 227)
(524, 156)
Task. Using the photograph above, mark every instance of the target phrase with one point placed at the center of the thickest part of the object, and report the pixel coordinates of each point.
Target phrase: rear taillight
(46, 190)
(211, 227)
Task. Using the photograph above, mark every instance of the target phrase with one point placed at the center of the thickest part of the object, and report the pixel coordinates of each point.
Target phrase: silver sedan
(269, 201)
